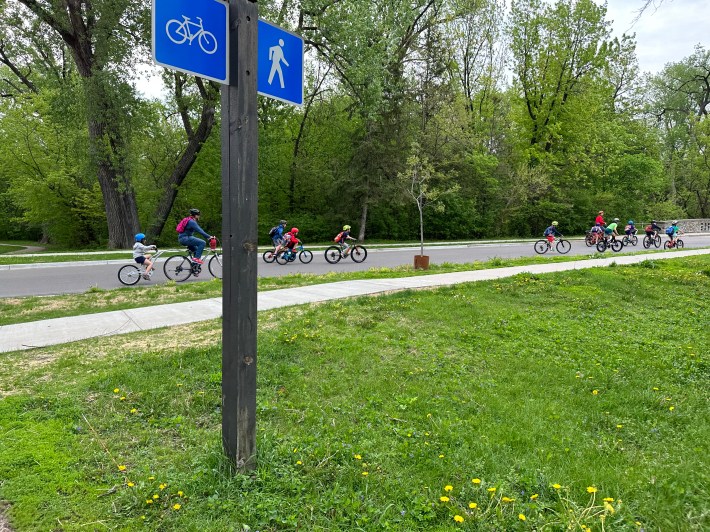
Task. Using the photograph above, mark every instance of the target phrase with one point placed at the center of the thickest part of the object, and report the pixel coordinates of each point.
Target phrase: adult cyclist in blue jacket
(186, 238)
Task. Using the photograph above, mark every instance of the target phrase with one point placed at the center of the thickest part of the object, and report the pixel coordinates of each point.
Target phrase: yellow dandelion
(655, 388)
(444, 498)
(638, 523)
(619, 426)
(476, 480)
(608, 499)
(180, 493)
(365, 473)
(556, 486)
(448, 487)
(507, 499)
(162, 486)
(149, 501)
(116, 390)
(156, 496)
(176, 506)
(472, 505)
(534, 496)
(123, 398)
(134, 410)
(671, 408)
(441, 456)
(591, 489)
(121, 468)
(130, 484)
(298, 462)
(521, 517)
(151, 478)
(358, 457)
(458, 519)
(595, 392)
(492, 490)
(608, 507)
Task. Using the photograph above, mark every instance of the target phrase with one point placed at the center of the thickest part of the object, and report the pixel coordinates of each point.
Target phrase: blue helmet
(631, 222)
(139, 237)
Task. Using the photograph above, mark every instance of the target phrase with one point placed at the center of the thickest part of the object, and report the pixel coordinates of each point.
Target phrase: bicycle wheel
(625, 241)
(129, 274)
(215, 265)
(358, 254)
(589, 240)
(268, 257)
(176, 31)
(207, 42)
(667, 244)
(679, 243)
(332, 254)
(563, 246)
(305, 256)
(657, 241)
(647, 242)
(634, 240)
(177, 268)
(617, 246)
(283, 258)
(601, 246)
(541, 247)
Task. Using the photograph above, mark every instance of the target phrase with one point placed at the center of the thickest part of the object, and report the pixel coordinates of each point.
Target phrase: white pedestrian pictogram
(276, 55)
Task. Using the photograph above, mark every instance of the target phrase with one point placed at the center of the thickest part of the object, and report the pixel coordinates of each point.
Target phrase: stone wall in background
(695, 225)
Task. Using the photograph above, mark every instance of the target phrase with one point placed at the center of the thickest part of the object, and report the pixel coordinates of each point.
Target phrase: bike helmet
(139, 237)
(675, 222)
(601, 212)
(631, 222)
(194, 212)
(282, 222)
(294, 230)
(616, 219)
(555, 224)
(346, 228)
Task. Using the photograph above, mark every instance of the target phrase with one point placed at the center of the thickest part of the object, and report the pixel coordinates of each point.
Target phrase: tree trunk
(195, 142)
(363, 218)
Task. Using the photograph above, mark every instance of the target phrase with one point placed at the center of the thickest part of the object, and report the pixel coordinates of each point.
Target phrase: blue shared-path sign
(192, 36)
(280, 64)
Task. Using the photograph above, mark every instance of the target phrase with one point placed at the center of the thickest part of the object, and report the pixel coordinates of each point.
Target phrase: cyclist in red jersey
(600, 218)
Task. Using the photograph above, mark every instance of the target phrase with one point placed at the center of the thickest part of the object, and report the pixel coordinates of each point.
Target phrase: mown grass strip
(534, 397)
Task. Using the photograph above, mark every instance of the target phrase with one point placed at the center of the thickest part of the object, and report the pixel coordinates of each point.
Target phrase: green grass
(24, 309)
(593, 378)
(7, 248)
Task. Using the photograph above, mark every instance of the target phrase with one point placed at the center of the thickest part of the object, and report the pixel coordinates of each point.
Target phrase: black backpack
(273, 230)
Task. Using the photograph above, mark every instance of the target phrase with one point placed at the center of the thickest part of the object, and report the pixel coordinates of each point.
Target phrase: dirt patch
(4, 525)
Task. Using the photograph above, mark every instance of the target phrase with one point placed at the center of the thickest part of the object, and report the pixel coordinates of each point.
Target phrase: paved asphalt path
(62, 278)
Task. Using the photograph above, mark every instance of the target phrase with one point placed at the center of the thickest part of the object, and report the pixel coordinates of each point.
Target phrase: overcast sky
(667, 31)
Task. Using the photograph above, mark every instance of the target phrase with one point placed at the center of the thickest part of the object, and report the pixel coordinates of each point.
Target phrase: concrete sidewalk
(63, 330)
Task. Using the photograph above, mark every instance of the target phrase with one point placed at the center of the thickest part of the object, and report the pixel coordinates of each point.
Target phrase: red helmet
(294, 230)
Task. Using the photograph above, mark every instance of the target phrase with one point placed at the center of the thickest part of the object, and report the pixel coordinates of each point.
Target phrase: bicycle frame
(184, 28)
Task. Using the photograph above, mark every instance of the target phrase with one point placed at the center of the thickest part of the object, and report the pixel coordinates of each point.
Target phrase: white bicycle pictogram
(179, 32)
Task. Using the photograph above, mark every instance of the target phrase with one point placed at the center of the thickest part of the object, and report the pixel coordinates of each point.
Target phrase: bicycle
(179, 268)
(543, 246)
(677, 243)
(179, 32)
(610, 242)
(654, 239)
(630, 239)
(130, 274)
(592, 238)
(357, 252)
(289, 255)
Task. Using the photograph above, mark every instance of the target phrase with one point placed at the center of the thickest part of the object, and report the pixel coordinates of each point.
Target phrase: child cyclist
(277, 233)
(610, 230)
(652, 229)
(289, 241)
(630, 228)
(672, 231)
(551, 232)
(342, 239)
(141, 256)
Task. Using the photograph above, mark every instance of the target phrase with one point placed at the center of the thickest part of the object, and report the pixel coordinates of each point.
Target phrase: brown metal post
(239, 238)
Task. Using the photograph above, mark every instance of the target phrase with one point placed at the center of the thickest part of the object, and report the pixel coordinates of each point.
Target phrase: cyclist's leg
(197, 245)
